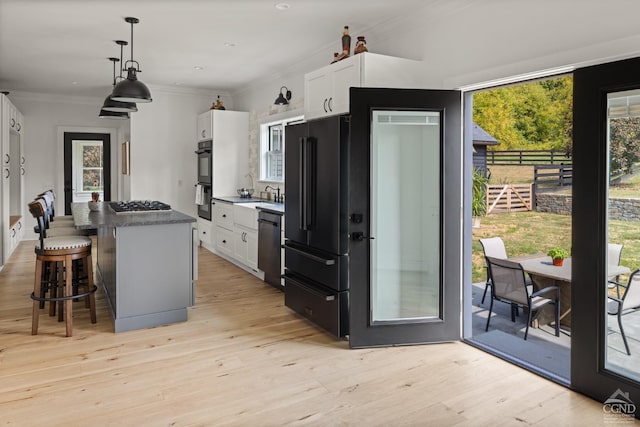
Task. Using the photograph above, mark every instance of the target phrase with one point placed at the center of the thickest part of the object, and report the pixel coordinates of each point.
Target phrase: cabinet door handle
(21, 171)
(330, 107)
(13, 122)
(14, 232)
(8, 158)
(325, 105)
(22, 160)
(224, 241)
(203, 133)
(18, 127)
(224, 215)
(19, 226)
(8, 173)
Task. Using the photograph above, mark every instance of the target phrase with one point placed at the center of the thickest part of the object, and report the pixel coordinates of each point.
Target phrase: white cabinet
(236, 232)
(205, 233)
(229, 133)
(222, 218)
(326, 91)
(245, 218)
(13, 170)
(204, 126)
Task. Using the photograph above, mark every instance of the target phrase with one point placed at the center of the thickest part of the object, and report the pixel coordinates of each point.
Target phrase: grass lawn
(527, 233)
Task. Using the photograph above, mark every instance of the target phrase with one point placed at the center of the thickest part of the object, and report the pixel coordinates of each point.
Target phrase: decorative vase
(361, 45)
(558, 262)
(346, 41)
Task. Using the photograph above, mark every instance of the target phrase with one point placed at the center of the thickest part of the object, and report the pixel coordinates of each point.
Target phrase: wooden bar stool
(63, 252)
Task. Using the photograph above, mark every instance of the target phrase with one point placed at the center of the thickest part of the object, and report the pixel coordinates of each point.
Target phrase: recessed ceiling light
(228, 44)
(198, 67)
(282, 6)
(74, 83)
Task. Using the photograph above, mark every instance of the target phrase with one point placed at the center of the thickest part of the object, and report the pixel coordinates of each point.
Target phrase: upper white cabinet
(229, 133)
(205, 124)
(326, 91)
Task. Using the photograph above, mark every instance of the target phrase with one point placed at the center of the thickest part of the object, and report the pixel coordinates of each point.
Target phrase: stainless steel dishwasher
(269, 247)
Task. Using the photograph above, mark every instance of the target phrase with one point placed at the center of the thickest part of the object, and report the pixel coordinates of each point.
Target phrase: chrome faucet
(278, 198)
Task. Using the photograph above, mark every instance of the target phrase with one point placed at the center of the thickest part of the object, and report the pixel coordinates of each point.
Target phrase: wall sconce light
(283, 99)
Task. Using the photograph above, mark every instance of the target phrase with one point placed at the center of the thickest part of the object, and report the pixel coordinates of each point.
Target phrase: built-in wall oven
(205, 158)
(205, 181)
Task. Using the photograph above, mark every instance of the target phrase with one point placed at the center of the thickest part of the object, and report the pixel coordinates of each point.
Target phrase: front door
(405, 207)
(606, 131)
(87, 167)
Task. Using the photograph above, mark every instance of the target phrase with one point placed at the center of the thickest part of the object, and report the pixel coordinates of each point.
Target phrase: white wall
(163, 144)
(44, 116)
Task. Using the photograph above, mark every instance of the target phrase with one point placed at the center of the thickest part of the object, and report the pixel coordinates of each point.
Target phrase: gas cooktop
(139, 206)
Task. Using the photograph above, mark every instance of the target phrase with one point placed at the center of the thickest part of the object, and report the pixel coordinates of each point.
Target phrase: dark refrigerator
(316, 222)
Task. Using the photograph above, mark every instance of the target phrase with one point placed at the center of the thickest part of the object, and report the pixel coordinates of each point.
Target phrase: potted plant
(478, 197)
(558, 255)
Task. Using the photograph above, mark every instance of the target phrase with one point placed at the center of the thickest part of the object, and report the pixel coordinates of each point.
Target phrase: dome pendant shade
(113, 115)
(118, 107)
(131, 89)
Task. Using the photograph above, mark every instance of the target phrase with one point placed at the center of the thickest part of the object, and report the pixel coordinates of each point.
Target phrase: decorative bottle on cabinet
(346, 42)
(361, 45)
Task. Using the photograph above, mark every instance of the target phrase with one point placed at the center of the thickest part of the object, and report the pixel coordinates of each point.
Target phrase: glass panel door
(405, 226)
(87, 170)
(405, 216)
(622, 337)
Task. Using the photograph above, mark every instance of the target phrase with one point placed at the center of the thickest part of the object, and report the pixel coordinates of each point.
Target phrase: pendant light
(109, 103)
(131, 89)
(113, 115)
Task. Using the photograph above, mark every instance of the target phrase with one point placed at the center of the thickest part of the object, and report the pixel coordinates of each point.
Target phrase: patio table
(543, 273)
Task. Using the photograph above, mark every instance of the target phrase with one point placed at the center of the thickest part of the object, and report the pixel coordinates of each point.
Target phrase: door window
(405, 215)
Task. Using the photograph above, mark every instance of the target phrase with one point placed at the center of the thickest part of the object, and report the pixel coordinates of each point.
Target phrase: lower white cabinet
(236, 232)
(205, 232)
(15, 233)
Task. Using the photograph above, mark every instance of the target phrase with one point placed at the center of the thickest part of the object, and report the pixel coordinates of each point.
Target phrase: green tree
(624, 144)
(529, 116)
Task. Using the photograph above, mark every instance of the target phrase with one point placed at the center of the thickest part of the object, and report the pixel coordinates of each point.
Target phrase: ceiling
(62, 46)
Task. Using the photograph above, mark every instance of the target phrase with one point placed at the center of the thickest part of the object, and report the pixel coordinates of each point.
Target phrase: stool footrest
(65, 298)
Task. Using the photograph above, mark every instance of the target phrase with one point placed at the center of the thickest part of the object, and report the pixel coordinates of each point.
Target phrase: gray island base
(145, 264)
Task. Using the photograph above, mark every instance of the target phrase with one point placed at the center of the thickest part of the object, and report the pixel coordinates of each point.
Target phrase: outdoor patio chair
(614, 255)
(509, 285)
(493, 247)
(627, 300)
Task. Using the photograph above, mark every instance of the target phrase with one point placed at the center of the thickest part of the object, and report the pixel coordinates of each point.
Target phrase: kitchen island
(146, 263)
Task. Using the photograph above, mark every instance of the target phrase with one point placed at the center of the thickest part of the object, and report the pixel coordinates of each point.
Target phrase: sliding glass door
(605, 362)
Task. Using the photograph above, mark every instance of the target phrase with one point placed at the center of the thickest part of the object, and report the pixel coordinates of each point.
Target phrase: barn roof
(481, 137)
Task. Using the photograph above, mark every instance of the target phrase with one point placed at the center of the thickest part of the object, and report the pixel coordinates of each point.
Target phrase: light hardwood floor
(244, 359)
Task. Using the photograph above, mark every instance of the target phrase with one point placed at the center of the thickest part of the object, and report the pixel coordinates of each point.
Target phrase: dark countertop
(86, 219)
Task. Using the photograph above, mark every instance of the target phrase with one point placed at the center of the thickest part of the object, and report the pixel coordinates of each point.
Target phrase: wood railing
(527, 157)
(548, 175)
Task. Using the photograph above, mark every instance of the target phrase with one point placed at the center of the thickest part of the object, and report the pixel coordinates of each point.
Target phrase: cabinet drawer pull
(325, 105)
(21, 171)
(330, 107)
(203, 133)
(7, 158)
(224, 241)
(8, 173)
(13, 122)
(22, 160)
(18, 127)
